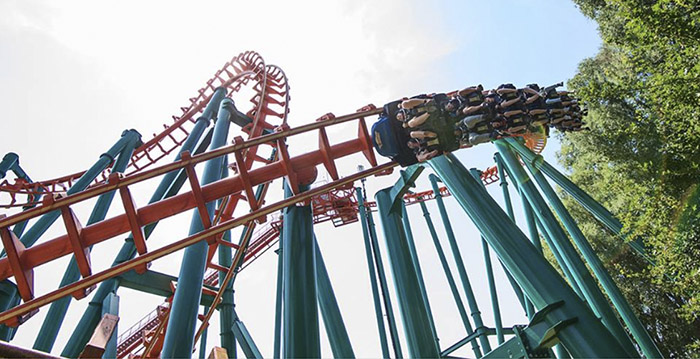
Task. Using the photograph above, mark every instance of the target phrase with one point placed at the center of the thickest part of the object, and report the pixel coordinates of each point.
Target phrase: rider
(483, 122)
(555, 107)
(535, 105)
(513, 108)
(424, 126)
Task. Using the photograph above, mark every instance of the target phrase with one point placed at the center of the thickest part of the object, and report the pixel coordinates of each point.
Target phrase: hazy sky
(74, 74)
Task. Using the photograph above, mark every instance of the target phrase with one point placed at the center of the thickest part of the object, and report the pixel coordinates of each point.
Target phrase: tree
(641, 157)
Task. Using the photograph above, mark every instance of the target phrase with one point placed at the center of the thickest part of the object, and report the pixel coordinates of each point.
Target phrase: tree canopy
(641, 157)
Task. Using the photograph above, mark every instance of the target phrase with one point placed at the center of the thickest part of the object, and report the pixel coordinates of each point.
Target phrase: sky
(75, 74)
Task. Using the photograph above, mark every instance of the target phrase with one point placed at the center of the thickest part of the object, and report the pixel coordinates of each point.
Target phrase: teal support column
(9, 298)
(563, 263)
(300, 324)
(559, 349)
(416, 264)
(635, 326)
(57, 311)
(203, 337)
(381, 275)
(529, 310)
(461, 269)
(533, 223)
(179, 335)
(494, 294)
(489, 274)
(578, 269)
(595, 208)
(584, 336)
(244, 339)
(247, 233)
(450, 280)
(420, 339)
(45, 221)
(10, 162)
(226, 307)
(372, 275)
(111, 306)
(170, 184)
(332, 318)
(278, 305)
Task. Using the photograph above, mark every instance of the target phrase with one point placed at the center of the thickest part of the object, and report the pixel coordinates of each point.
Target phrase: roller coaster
(569, 312)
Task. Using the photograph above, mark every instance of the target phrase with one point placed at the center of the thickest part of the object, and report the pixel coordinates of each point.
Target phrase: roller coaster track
(271, 99)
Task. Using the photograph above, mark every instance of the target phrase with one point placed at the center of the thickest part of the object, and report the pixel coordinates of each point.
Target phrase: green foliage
(641, 157)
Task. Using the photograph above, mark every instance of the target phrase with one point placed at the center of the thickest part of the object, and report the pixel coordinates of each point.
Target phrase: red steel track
(271, 100)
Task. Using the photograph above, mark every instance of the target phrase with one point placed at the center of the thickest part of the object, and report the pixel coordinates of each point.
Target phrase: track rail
(11, 316)
(271, 99)
(21, 262)
(270, 106)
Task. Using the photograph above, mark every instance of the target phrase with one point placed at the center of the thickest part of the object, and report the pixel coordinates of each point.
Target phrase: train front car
(389, 137)
(419, 128)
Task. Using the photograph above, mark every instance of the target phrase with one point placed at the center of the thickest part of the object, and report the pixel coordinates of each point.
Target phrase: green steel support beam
(9, 297)
(471, 299)
(520, 346)
(470, 338)
(248, 230)
(420, 339)
(181, 327)
(278, 304)
(590, 288)
(582, 333)
(531, 225)
(170, 185)
(633, 324)
(559, 349)
(494, 294)
(416, 264)
(529, 310)
(250, 350)
(372, 275)
(10, 162)
(527, 210)
(57, 310)
(332, 318)
(381, 275)
(595, 208)
(301, 326)
(558, 256)
(226, 307)
(155, 283)
(43, 223)
(203, 337)
(111, 306)
(450, 280)
(489, 272)
(226, 317)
